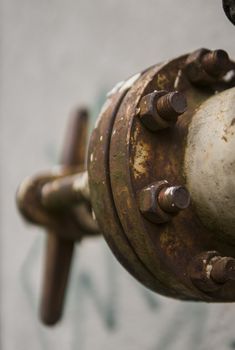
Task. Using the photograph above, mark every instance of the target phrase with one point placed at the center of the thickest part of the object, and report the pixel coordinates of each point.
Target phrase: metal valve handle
(51, 207)
(59, 251)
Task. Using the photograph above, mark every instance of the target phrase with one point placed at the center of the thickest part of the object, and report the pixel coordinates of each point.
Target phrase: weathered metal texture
(214, 274)
(62, 218)
(30, 204)
(160, 109)
(40, 203)
(137, 171)
(148, 202)
(204, 67)
(138, 158)
(210, 157)
(200, 269)
(66, 192)
(100, 188)
(59, 251)
(223, 269)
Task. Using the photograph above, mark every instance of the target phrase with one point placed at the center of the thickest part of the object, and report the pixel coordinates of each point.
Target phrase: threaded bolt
(160, 109)
(171, 105)
(216, 62)
(173, 199)
(223, 269)
(209, 271)
(205, 67)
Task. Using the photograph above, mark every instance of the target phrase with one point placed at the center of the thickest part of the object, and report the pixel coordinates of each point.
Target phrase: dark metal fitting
(28, 199)
(64, 227)
(209, 271)
(171, 105)
(216, 62)
(160, 109)
(160, 201)
(173, 199)
(205, 67)
(200, 271)
(223, 269)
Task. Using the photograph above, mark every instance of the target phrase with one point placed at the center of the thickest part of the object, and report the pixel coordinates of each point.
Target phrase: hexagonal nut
(148, 203)
(148, 113)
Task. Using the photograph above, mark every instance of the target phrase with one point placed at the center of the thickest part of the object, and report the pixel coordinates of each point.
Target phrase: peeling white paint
(208, 270)
(115, 89)
(177, 79)
(128, 84)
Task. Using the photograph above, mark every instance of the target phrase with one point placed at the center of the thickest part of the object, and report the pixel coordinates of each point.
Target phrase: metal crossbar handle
(52, 200)
(66, 191)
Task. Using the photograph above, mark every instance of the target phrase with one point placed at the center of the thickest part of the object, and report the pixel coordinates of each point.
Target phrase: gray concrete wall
(55, 55)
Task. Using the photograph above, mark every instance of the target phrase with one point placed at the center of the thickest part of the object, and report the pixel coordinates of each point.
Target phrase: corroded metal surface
(40, 204)
(139, 157)
(59, 251)
(101, 193)
(139, 160)
(31, 207)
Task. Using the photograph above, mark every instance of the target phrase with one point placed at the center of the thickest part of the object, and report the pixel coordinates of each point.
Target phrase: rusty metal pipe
(163, 130)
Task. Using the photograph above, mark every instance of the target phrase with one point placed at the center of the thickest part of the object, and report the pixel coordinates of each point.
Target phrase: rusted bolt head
(173, 199)
(204, 66)
(216, 62)
(159, 202)
(160, 109)
(223, 269)
(209, 271)
(200, 269)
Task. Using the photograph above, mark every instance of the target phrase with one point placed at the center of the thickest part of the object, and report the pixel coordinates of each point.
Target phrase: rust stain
(142, 151)
(162, 81)
(229, 131)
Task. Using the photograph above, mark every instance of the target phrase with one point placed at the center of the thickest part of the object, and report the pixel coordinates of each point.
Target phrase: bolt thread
(223, 269)
(173, 199)
(216, 62)
(171, 105)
